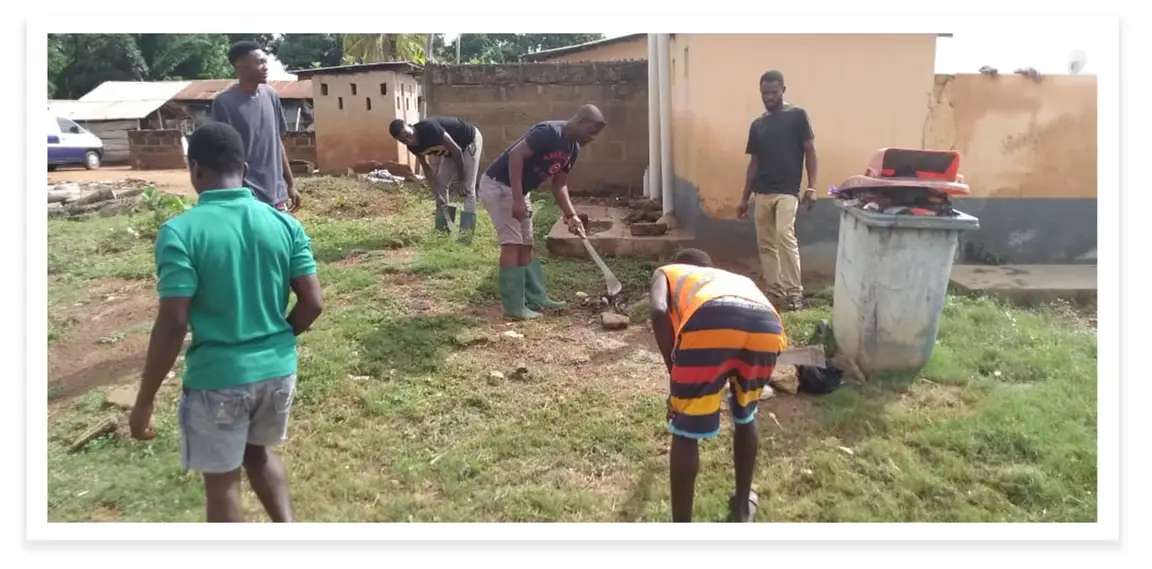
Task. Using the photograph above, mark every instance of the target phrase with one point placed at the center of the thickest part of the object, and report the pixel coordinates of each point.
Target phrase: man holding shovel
(714, 329)
(458, 144)
(548, 150)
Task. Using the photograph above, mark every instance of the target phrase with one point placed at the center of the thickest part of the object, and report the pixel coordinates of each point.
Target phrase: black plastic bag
(817, 380)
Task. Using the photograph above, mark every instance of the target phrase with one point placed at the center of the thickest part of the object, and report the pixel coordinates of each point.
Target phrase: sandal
(753, 504)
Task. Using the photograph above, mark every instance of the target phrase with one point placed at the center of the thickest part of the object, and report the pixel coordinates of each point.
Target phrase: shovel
(614, 286)
(447, 219)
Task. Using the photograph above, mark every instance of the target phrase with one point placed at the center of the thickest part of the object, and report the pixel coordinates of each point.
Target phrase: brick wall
(505, 100)
(301, 146)
(156, 150)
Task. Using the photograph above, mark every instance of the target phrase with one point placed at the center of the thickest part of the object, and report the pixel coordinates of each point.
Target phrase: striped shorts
(727, 341)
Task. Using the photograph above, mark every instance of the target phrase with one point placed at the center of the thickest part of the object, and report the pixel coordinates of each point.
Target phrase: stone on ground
(122, 396)
(613, 321)
(785, 378)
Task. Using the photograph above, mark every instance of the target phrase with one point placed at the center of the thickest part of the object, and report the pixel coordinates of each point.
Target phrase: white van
(69, 144)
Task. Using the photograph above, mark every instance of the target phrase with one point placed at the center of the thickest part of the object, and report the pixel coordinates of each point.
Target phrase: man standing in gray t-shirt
(253, 109)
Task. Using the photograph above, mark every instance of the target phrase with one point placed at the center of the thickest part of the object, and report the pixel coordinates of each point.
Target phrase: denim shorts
(216, 425)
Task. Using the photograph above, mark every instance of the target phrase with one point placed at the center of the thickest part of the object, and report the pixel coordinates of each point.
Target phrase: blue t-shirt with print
(551, 153)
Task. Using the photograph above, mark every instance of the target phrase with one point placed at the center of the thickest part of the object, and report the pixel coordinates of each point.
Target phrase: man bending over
(714, 329)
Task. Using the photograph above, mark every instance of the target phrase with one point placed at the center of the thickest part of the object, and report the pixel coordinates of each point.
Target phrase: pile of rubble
(646, 219)
(104, 198)
(386, 172)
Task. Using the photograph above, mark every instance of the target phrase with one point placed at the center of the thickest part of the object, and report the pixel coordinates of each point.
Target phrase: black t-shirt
(430, 135)
(551, 153)
(777, 141)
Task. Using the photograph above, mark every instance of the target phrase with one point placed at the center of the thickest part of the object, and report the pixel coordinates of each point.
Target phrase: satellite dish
(1076, 61)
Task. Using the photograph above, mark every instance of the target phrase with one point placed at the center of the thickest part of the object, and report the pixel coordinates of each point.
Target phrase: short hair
(692, 257)
(241, 49)
(772, 76)
(217, 147)
(396, 127)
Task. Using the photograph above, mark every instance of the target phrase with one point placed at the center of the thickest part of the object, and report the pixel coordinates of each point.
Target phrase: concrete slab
(608, 233)
(1029, 284)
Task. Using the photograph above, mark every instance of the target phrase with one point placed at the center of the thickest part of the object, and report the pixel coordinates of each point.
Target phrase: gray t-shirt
(260, 121)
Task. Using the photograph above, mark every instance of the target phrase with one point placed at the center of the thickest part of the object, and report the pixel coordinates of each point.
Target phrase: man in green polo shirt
(225, 268)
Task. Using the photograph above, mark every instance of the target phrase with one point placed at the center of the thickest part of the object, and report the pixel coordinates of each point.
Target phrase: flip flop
(753, 504)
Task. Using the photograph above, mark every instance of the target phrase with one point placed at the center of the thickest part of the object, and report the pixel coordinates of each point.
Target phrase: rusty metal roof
(206, 90)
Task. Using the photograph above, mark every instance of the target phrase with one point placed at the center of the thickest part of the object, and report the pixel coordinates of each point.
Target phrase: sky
(1045, 48)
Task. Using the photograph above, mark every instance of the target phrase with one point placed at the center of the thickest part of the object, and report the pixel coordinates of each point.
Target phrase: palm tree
(372, 48)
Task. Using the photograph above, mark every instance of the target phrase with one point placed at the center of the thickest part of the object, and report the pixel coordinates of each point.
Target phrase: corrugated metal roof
(301, 89)
(105, 110)
(558, 51)
(206, 90)
(120, 91)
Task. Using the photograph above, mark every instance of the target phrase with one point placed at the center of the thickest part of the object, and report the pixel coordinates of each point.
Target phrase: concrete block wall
(301, 145)
(156, 149)
(503, 101)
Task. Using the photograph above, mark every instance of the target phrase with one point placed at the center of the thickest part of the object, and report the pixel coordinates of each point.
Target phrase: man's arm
(809, 141)
(309, 303)
(658, 299)
(456, 153)
(521, 152)
(429, 174)
(176, 284)
(560, 194)
(305, 284)
(752, 148)
(164, 346)
(282, 125)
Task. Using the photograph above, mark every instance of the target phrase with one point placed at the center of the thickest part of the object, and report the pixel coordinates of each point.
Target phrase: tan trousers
(775, 219)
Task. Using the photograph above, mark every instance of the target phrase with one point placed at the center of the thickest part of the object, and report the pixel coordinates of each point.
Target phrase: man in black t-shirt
(780, 146)
(548, 150)
(457, 143)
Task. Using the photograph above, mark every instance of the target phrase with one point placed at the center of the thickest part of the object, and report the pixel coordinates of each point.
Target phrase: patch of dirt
(350, 198)
(357, 256)
(410, 289)
(796, 419)
(930, 396)
(171, 181)
(101, 346)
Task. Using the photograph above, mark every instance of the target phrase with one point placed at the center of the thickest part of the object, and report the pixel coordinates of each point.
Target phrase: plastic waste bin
(892, 274)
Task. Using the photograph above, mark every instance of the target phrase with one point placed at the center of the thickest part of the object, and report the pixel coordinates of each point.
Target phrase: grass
(401, 418)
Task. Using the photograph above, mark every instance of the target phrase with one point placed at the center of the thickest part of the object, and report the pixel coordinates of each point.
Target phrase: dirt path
(174, 181)
(106, 340)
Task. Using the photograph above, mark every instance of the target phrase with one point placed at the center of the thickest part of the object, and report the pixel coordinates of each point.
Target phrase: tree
(80, 62)
(504, 48)
(307, 51)
(371, 48)
(176, 57)
(265, 41)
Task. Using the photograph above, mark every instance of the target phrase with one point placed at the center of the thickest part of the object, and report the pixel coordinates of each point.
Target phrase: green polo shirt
(235, 258)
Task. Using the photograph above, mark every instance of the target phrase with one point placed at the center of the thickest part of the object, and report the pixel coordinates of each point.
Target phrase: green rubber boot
(512, 293)
(467, 226)
(442, 225)
(536, 292)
